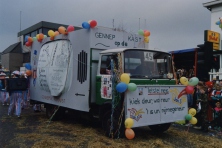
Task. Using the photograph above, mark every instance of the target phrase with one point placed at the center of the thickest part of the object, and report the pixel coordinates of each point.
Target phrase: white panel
(155, 104)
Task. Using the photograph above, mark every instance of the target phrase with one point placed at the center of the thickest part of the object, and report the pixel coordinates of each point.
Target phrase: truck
(69, 73)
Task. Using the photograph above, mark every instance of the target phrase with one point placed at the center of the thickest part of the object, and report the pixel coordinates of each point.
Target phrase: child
(202, 117)
(217, 116)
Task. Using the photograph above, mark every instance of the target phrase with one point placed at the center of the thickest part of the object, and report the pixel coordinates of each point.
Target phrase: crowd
(17, 100)
(207, 99)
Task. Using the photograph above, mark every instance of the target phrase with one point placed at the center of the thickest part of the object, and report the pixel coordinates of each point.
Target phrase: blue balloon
(218, 23)
(85, 25)
(121, 87)
(28, 66)
(26, 38)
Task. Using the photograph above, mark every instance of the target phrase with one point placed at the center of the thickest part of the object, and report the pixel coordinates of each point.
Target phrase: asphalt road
(33, 130)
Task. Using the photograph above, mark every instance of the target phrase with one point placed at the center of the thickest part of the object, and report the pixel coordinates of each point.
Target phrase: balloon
(146, 39)
(193, 120)
(184, 81)
(70, 28)
(56, 33)
(41, 36)
(192, 111)
(129, 123)
(51, 33)
(129, 133)
(217, 23)
(62, 30)
(193, 81)
(28, 72)
(30, 39)
(121, 87)
(141, 32)
(125, 78)
(40, 40)
(132, 86)
(28, 44)
(93, 23)
(209, 84)
(26, 38)
(45, 36)
(85, 25)
(34, 38)
(146, 33)
(220, 25)
(188, 117)
(189, 89)
(28, 66)
(37, 36)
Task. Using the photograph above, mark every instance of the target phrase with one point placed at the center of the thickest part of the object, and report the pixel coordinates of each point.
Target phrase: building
(17, 54)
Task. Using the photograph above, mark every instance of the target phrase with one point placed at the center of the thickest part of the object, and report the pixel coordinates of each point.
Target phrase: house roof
(43, 24)
(11, 48)
(211, 4)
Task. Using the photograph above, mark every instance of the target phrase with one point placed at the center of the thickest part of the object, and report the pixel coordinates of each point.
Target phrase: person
(203, 100)
(15, 99)
(217, 122)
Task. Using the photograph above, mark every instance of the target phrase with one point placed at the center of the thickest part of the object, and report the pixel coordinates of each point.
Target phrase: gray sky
(174, 24)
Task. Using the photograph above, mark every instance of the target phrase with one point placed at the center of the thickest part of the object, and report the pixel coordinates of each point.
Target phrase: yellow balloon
(184, 81)
(37, 36)
(193, 120)
(146, 39)
(51, 33)
(129, 123)
(125, 78)
(192, 112)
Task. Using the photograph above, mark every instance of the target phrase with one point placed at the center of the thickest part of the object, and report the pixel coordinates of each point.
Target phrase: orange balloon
(41, 36)
(30, 39)
(28, 72)
(129, 133)
(56, 33)
(52, 38)
(62, 30)
(146, 33)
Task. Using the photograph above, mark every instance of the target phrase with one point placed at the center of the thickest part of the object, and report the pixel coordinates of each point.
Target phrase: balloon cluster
(129, 133)
(89, 24)
(219, 22)
(28, 69)
(189, 85)
(190, 116)
(124, 84)
(61, 30)
(38, 37)
(144, 33)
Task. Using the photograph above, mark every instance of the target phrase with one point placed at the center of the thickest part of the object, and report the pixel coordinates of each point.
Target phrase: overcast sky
(174, 24)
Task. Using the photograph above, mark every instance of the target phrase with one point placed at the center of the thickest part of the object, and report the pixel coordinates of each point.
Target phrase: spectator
(217, 122)
(203, 99)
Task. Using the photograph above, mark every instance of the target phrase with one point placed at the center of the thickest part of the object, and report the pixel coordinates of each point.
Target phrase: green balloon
(188, 117)
(141, 32)
(132, 87)
(193, 81)
(34, 38)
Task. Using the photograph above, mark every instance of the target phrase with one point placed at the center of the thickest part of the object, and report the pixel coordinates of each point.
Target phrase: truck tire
(118, 130)
(160, 128)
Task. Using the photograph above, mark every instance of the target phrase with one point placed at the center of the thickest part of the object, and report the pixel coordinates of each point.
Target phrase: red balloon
(189, 89)
(40, 40)
(70, 28)
(93, 23)
(28, 44)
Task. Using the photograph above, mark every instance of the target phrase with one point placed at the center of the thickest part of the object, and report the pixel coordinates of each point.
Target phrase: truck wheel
(118, 130)
(160, 128)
